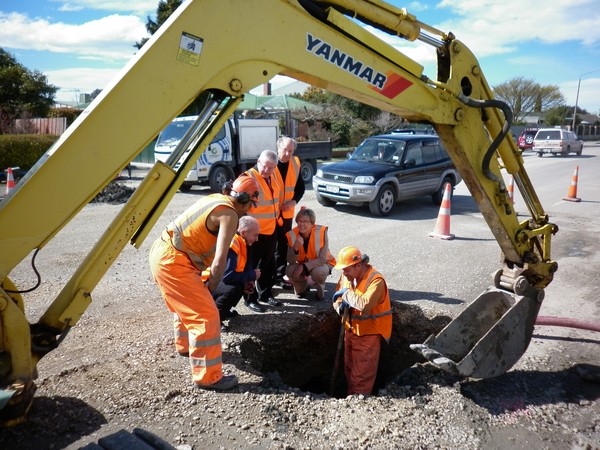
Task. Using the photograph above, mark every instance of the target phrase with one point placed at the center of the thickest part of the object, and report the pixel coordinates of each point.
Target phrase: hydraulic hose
(568, 323)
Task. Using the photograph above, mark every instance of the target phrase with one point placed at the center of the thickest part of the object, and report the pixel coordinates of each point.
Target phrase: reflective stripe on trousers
(188, 297)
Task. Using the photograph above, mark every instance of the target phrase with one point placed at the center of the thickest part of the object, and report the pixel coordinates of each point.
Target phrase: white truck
(234, 149)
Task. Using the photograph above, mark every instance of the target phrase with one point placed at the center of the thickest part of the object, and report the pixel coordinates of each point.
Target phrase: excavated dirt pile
(113, 193)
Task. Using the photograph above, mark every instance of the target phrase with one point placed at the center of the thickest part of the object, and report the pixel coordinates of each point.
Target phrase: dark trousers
(282, 247)
(262, 253)
(226, 297)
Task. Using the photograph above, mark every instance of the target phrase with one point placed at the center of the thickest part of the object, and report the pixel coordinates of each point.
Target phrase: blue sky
(80, 45)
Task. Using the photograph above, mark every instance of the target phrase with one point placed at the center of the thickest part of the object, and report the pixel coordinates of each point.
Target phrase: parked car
(525, 140)
(385, 169)
(556, 141)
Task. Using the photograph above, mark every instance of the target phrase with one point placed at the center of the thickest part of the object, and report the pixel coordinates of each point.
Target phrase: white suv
(557, 142)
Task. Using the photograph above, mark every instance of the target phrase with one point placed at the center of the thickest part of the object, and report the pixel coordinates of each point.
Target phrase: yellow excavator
(225, 48)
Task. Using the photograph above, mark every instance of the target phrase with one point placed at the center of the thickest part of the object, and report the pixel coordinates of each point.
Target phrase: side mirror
(410, 162)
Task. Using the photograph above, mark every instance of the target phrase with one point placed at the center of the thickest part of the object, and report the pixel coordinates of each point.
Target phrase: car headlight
(364, 179)
(319, 173)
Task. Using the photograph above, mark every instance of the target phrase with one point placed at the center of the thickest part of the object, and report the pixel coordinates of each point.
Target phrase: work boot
(224, 384)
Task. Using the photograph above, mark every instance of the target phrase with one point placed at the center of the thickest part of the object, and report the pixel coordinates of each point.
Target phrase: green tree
(525, 96)
(163, 12)
(23, 93)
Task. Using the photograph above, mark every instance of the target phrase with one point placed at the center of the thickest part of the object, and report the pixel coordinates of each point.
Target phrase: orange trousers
(197, 325)
(361, 358)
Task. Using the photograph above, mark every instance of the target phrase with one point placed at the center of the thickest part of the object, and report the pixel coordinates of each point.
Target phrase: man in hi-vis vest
(363, 300)
(199, 239)
(240, 276)
(288, 171)
(266, 213)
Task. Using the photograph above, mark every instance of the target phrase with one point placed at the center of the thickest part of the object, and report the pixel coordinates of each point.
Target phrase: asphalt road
(421, 270)
(446, 275)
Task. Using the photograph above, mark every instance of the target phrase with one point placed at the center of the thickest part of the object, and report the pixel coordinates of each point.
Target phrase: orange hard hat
(348, 256)
(245, 189)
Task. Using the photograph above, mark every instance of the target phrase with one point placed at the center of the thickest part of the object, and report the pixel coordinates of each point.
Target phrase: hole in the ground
(302, 351)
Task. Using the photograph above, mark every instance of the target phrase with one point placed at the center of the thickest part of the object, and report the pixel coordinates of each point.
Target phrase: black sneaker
(307, 295)
(224, 384)
(254, 306)
(271, 301)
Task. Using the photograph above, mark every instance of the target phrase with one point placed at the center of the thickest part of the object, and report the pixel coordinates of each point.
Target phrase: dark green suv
(385, 169)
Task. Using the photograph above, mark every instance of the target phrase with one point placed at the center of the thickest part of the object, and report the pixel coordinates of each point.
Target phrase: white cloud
(139, 7)
(492, 27)
(109, 37)
(76, 80)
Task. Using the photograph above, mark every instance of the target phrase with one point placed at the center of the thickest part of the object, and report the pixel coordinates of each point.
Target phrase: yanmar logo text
(390, 84)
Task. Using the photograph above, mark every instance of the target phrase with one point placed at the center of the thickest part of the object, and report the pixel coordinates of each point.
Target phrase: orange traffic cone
(572, 194)
(10, 181)
(442, 225)
(511, 189)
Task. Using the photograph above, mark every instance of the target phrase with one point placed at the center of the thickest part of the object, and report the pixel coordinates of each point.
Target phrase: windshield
(381, 151)
(174, 132)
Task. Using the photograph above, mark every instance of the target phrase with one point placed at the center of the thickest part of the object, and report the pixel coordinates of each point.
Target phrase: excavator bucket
(488, 337)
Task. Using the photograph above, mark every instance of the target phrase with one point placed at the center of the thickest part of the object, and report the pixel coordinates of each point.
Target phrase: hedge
(23, 150)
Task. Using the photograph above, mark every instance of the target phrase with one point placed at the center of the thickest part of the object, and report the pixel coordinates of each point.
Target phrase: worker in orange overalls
(362, 298)
(199, 239)
(308, 255)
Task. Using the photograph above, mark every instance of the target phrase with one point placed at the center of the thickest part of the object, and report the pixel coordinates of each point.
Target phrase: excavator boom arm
(228, 47)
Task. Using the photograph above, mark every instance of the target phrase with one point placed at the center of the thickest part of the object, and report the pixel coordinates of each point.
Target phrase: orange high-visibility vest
(189, 234)
(266, 211)
(289, 184)
(238, 245)
(379, 319)
(316, 241)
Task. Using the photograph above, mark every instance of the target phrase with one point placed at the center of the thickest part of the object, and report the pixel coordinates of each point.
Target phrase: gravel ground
(117, 370)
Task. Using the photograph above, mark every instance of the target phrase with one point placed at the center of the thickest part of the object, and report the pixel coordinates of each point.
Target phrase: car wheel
(324, 201)
(307, 170)
(579, 152)
(540, 154)
(218, 177)
(439, 195)
(384, 202)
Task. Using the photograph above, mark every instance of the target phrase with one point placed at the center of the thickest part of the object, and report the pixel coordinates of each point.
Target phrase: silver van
(556, 141)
